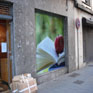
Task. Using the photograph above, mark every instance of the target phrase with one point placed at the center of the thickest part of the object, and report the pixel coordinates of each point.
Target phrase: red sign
(77, 23)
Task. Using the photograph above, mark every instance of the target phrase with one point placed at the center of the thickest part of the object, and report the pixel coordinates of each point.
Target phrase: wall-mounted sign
(77, 23)
(3, 47)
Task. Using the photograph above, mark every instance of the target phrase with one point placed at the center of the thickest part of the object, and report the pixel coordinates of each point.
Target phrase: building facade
(19, 19)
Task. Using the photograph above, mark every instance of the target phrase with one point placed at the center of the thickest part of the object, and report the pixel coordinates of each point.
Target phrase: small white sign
(3, 47)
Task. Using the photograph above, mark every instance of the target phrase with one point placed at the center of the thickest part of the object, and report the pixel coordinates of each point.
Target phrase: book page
(43, 62)
(47, 45)
(61, 58)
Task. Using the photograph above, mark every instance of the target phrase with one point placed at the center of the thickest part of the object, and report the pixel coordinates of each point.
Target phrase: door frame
(10, 19)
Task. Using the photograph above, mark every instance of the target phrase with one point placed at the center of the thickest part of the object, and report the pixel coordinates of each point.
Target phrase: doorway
(87, 43)
(5, 51)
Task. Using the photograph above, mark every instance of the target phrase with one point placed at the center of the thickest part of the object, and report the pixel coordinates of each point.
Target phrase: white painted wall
(79, 43)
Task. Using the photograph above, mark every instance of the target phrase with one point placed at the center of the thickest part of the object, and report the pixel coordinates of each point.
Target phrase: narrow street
(80, 81)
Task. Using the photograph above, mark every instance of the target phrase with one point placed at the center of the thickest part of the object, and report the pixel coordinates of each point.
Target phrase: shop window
(5, 8)
(50, 51)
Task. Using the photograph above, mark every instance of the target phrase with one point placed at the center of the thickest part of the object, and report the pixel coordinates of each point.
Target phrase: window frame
(87, 2)
(83, 6)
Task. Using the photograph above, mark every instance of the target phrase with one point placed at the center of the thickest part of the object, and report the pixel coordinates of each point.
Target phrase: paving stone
(78, 82)
(81, 83)
(74, 75)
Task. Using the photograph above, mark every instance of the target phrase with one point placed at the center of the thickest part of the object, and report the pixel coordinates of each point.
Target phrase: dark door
(5, 51)
(88, 43)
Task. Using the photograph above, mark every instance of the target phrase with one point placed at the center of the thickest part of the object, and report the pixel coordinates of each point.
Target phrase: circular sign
(77, 23)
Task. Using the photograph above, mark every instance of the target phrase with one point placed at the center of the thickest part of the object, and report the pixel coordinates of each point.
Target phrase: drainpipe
(77, 27)
(66, 5)
(77, 49)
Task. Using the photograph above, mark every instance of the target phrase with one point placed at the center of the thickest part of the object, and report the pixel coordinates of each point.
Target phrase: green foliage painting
(49, 41)
(48, 26)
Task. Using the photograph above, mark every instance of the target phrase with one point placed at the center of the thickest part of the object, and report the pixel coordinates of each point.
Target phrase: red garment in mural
(59, 44)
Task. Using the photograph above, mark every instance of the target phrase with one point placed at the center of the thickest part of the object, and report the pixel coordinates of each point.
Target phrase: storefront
(43, 38)
(6, 53)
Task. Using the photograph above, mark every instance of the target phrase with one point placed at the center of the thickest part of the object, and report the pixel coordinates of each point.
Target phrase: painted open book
(46, 54)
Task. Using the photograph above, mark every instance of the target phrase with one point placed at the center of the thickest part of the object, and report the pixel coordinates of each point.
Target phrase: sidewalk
(80, 81)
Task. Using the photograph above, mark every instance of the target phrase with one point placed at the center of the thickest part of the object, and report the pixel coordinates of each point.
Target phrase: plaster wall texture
(24, 36)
